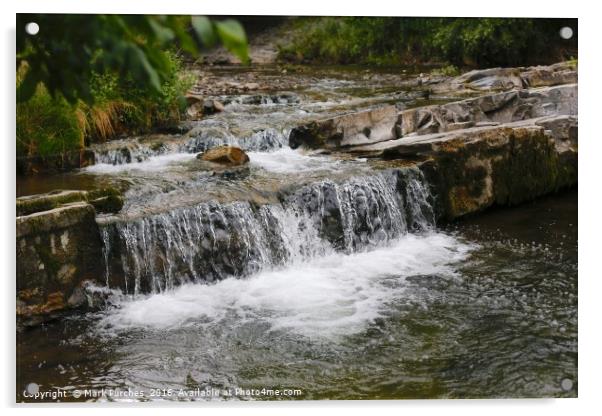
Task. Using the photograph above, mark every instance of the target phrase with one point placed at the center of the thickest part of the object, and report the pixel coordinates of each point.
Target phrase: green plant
(70, 49)
(48, 125)
(459, 41)
(447, 70)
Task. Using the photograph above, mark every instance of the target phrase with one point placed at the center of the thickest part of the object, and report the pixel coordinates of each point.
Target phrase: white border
(589, 200)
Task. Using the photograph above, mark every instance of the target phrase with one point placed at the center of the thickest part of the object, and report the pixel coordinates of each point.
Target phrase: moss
(315, 135)
(504, 167)
(109, 203)
(31, 205)
(106, 199)
(103, 199)
(530, 169)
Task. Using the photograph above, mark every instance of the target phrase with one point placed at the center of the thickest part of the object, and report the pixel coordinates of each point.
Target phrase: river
(315, 275)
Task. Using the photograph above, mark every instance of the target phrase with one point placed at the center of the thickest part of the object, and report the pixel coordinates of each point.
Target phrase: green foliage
(70, 49)
(447, 70)
(458, 41)
(48, 125)
(86, 78)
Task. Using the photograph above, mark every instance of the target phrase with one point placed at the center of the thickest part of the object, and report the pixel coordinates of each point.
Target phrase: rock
(57, 249)
(35, 203)
(192, 98)
(363, 127)
(104, 200)
(195, 111)
(557, 74)
(225, 155)
(507, 79)
(493, 79)
(475, 168)
(212, 107)
(497, 108)
(251, 86)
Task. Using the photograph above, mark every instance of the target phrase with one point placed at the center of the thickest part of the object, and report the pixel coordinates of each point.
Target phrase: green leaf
(163, 34)
(204, 30)
(27, 87)
(232, 35)
(145, 68)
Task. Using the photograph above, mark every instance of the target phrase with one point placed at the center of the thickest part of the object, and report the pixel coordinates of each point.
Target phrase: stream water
(314, 275)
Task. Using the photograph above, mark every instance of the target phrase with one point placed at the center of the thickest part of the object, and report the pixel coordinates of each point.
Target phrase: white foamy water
(287, 160)
(152, 164)
(336, 294)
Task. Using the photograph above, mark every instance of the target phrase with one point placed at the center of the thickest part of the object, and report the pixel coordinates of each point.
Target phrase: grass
(49, 125)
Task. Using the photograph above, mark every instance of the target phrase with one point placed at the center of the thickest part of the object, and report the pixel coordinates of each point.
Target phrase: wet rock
(476, 168)
(225, 155)
(498, 108)
(359, 128)
(57, 249)
(199, 108)
(212, 107)
(104, 200)
(35, 203)
(557, 74)
(492, 79)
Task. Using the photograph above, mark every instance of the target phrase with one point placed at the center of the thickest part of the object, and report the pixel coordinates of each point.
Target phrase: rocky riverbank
(514, 142)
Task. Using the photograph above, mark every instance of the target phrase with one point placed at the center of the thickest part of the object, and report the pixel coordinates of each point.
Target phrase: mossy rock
(37, 203)
(104, 200)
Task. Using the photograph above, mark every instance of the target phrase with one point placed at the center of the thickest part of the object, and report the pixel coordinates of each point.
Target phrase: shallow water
(316, 275)
(484, 308)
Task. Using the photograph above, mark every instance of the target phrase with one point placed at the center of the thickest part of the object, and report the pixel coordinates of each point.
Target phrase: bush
(49, 125)
(458, 41)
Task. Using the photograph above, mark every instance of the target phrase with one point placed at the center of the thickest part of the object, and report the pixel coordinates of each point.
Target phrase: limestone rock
(225, 155)
(492, 79)
(476, 168)
(104, 200)
(212, 107)
(363, 127)
(557, 74)
(56, 250)
(504, 107)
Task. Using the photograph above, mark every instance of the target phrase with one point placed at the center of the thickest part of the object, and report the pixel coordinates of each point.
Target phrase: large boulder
(225, 155)
(504, 107)
(359, 128)
(492, 79)
(473, 169)
(557, 74)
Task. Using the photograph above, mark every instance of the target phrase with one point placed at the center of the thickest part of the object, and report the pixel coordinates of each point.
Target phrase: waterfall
(262, 141)
(133, 151)
(130, 152)
(212, 241)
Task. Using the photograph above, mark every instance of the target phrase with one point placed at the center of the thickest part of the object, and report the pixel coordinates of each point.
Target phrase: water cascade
(211, 241)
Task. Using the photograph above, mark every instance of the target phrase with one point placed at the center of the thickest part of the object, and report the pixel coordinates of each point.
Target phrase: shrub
(458, 41)
(50, 125)
(47, 125)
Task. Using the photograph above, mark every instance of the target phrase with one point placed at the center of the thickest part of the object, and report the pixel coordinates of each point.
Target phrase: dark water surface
(484, 308)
